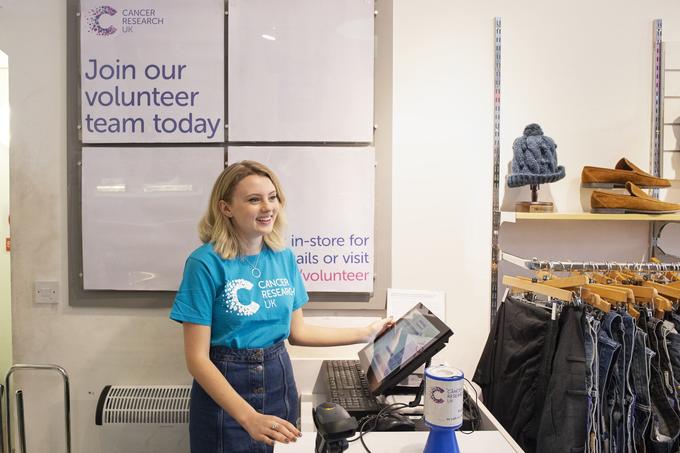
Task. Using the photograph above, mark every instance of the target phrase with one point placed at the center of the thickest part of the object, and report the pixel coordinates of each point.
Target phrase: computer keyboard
(348, 387)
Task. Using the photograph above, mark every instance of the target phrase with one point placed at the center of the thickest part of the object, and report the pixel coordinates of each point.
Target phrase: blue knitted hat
(534, 160)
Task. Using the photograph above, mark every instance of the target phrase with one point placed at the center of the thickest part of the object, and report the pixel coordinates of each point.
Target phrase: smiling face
(252, 210)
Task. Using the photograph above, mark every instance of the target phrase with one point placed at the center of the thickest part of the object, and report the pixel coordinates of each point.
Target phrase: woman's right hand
(269, 428)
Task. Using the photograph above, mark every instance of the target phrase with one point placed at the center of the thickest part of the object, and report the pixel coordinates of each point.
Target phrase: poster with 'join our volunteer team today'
(152, 71)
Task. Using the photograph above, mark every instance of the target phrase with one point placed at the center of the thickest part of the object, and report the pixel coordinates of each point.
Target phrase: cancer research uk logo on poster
(93, 25)
(152, 71)
(128, 20)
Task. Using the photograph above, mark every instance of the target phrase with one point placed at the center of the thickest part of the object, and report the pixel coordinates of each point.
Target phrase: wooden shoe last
(637, 202)
(625, 171)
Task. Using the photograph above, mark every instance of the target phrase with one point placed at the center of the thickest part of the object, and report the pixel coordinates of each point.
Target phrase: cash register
(385, 364)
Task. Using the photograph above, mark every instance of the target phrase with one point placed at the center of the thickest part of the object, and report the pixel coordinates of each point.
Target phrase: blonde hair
(217, 229)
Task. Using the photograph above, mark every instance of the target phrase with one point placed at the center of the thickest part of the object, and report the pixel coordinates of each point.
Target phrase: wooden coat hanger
(632, 311)
(670, 275)
(565, 282)
(599, 278)
(624, 296)
(595, 300)
(631, 276)
(544, 275)
(662, 305)
(664, 290)
(643, 294)
(618, 276)
(538, 288)
(610, 292)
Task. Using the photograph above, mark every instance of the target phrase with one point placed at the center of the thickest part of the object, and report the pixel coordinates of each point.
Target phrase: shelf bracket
(655, 230)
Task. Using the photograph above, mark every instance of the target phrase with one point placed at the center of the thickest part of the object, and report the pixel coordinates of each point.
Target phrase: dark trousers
(564, 415)
(514, 368)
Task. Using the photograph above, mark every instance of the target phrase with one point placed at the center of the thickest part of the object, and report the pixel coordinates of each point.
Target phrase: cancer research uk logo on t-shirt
(234, 305)
(129, 19)
(270, 289)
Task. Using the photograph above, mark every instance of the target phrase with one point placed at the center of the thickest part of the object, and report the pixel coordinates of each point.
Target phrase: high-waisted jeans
(264, 378)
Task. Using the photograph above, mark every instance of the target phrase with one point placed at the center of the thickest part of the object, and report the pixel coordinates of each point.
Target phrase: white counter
(490, 438)
(407, 442)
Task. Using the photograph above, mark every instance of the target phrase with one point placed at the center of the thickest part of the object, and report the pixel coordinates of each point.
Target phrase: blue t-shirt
(243, 311)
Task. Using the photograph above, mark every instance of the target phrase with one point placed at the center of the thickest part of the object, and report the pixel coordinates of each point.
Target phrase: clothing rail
(536, 265)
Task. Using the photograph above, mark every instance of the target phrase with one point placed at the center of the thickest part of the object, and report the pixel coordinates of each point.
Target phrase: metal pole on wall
(657, 124)
(656, 103)
(495, 212)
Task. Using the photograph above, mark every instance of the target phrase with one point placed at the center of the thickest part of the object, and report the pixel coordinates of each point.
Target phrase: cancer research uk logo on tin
(434, 394)
(129, 19)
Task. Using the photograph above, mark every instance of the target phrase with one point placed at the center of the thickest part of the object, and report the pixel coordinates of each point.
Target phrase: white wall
(582, 70)
(96, 346)
(5, 306)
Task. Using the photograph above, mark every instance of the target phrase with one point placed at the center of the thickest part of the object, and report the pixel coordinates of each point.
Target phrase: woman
(240, 297)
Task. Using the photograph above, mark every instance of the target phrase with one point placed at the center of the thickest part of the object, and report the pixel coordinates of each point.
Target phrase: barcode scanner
(333, 427)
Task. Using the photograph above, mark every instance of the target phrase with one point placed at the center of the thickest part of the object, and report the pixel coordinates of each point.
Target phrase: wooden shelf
(507, 216)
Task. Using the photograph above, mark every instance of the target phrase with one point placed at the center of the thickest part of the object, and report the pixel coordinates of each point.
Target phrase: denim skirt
(264, 378)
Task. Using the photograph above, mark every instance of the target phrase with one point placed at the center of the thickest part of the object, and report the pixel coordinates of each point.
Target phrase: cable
(384, 412)
(474, 410)
(389, 409)
(365, 428)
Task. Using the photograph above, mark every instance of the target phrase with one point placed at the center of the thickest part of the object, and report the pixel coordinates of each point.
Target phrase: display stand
(534, 205)
(408, 390)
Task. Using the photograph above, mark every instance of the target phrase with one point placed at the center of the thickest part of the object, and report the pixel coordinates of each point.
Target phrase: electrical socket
(46, 293)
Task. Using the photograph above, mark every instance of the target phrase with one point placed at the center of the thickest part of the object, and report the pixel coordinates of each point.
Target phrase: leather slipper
(637, 202)
(625, 170)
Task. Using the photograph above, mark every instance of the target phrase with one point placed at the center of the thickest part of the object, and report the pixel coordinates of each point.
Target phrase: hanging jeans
(610, 343)
(514, 368)
(673, 343)
(665, 425)
(663, 329)
(675, 318)
(639, 376)
(563, 420)
(628, 396)
(592, 325)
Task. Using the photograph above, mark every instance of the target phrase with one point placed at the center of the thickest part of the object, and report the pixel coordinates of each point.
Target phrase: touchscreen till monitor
(399, 351)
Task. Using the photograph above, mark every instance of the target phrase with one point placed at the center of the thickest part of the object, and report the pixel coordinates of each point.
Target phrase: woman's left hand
(377, 327)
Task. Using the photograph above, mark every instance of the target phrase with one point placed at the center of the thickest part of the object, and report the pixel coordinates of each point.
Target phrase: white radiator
(144, 419)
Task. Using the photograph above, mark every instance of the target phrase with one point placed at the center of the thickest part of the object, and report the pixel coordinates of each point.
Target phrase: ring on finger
(275, 426)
